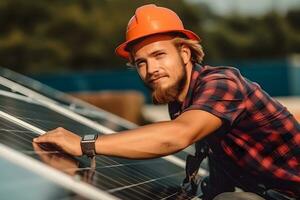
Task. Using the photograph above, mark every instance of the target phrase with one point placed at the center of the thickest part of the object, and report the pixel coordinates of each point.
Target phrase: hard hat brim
(122, 51)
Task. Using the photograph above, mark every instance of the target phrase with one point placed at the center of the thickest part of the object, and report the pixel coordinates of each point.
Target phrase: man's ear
(185, 53)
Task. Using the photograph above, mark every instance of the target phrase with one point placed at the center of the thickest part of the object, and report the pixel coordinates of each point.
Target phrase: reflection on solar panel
(24, 114)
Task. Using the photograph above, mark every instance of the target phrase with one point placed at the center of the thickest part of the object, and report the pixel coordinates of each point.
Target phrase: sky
(249, 7)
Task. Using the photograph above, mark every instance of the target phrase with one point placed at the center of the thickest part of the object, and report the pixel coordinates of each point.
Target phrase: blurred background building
(69, 45)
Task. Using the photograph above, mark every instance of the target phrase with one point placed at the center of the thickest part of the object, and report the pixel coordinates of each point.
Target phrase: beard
(167, 94)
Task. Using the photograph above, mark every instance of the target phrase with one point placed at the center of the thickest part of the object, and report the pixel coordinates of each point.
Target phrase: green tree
(62, 35)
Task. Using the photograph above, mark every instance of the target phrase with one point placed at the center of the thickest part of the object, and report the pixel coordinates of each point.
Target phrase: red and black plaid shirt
(263, 137)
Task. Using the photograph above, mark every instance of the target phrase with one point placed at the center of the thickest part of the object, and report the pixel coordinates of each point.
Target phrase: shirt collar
(194, 77)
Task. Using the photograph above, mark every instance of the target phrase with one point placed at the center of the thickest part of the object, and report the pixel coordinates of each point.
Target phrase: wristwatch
(87, 144)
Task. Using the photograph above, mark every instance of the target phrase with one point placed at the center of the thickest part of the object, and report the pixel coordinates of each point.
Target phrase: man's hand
(63, 139)
(61, 162)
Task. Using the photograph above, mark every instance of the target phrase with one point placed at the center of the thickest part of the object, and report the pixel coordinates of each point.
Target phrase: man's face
(161, 67)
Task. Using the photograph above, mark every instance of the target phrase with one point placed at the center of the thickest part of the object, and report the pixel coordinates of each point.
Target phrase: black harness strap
(192, 180)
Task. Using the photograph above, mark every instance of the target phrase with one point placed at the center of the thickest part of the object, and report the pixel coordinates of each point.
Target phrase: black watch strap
(87, 144)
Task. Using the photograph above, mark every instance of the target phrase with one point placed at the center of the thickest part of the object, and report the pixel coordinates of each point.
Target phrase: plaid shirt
(261, 135)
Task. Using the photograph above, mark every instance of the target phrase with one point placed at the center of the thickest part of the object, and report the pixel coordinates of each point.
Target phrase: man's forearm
(149, 141)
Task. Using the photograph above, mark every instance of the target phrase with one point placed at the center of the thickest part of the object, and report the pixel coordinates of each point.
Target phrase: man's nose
(152, 67)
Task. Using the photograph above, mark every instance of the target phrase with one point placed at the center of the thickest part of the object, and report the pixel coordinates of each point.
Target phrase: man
(245, 128)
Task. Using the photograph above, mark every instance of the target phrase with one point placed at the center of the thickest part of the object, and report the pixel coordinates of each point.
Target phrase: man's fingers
(47, 137)
(61, 139)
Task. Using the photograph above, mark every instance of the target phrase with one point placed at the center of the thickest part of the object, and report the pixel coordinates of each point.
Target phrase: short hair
(196, 48)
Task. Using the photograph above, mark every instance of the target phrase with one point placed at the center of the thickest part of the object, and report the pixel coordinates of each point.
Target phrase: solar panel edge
(19, 122)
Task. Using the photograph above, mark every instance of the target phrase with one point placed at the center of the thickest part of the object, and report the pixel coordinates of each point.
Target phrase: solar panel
(106, 119)
(106, 177)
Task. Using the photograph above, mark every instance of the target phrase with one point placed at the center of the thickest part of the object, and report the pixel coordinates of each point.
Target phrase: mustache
(154, 77)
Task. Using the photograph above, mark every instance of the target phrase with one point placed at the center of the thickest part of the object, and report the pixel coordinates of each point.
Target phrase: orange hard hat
(151, 19)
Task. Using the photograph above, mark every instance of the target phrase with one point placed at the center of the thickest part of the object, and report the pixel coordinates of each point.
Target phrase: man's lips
(154, 80)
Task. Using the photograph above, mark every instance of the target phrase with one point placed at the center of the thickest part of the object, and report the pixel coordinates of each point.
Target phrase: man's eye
(160, 55)
(140, 64)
